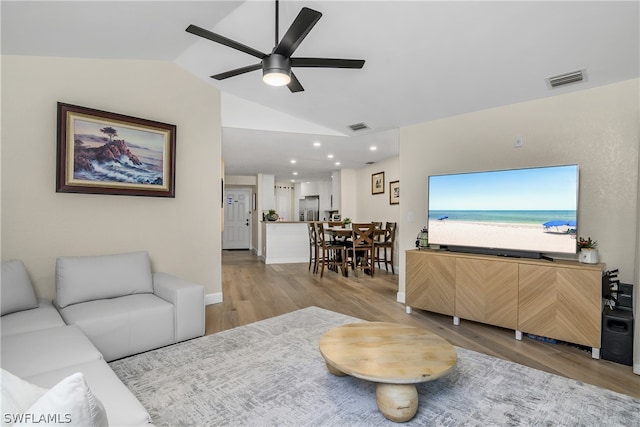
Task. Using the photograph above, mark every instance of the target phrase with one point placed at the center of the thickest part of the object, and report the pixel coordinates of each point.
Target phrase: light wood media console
(555, 299)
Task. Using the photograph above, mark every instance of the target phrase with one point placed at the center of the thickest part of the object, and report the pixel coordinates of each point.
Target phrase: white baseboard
(636, 368)
(213, 298)
(400, 297)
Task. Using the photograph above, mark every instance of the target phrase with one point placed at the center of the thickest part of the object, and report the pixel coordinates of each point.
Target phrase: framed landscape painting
(107, 153)
(377, 183)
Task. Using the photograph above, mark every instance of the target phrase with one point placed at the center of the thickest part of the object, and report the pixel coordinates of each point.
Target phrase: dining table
(343, 235)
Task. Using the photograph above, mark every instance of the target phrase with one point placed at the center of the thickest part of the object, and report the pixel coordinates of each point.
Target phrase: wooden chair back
(361, 251)
(390, 234)
(363, 235)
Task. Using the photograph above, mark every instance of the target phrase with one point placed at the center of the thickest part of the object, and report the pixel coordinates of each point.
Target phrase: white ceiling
(425, 60)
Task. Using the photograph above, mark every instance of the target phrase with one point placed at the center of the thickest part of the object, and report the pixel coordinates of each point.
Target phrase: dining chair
(313, 247)
(361, 251)
(335, 224)
(388, 242)
(332, 254)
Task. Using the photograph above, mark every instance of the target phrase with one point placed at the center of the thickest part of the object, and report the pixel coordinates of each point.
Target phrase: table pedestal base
(397, 402)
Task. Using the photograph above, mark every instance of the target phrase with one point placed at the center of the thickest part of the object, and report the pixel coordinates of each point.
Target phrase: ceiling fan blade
(298, 30)
(327, 63)
(237, 72)
(294, 85)
(194, 29)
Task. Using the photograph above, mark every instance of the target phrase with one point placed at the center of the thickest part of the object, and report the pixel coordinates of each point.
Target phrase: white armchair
(123, 307)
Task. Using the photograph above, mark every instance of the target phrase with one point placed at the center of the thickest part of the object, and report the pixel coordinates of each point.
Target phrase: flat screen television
(519, 212)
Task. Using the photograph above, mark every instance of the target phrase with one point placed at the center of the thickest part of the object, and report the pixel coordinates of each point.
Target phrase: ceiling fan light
(275, 78)
(276, 70)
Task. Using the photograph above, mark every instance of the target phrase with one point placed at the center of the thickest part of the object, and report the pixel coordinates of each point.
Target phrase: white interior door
(237, 219)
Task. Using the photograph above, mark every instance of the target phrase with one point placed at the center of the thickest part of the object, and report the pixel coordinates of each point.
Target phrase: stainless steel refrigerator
(310, 208)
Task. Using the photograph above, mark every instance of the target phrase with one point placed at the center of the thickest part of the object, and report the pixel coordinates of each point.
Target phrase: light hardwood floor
(253, 291)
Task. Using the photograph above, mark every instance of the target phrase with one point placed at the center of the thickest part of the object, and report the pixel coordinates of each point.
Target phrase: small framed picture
(377, 183)
(394, 192)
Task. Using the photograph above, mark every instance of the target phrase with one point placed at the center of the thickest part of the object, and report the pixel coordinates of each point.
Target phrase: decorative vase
(272, 217)
(589, 256)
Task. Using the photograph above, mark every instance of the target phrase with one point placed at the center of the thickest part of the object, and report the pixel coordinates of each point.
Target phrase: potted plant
(272, 215)
(588, 250)
(347, 222)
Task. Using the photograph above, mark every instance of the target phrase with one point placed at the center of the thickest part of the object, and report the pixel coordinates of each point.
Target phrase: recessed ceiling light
(337, 163)
(373, 148)
(293, 161)
(293, 180)
(316, 144)
(330, 156)
(295, 173)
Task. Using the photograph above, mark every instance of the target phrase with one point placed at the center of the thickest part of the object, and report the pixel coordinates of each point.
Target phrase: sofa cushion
(43, 317)
(88, 278)
(123, 326)
(35, 352)
(17, 290)
(122, 408)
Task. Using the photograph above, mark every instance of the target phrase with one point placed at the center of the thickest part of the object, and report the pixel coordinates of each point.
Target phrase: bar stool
(331, 254)
(388, 243)
(313, 247)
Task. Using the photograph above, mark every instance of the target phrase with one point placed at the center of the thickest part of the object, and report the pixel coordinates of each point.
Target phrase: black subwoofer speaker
(617, 336)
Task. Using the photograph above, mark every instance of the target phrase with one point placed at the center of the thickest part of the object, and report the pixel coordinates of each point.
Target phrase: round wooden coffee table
(394, 356)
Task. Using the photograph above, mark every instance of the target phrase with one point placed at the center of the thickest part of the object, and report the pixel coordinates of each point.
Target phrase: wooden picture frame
(377, 183)
(108, 153)
(394, 192)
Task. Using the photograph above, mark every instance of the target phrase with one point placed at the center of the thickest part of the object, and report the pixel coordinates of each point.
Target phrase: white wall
(336, 192)
(266, 188)
(376, 207)
(596, 128)
(182, 234)
(348, 189)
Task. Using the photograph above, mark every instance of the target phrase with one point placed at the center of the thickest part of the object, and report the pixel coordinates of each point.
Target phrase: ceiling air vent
(370, 163)
(565, 79)
(358, 126)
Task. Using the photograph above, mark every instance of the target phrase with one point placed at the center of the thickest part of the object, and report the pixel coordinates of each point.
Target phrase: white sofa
(38, 346)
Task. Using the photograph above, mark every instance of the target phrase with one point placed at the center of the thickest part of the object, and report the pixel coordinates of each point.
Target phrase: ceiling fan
(276, 66)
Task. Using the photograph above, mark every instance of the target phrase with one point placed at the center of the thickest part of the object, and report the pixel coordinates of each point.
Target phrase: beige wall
(596, 128)
(182, 234)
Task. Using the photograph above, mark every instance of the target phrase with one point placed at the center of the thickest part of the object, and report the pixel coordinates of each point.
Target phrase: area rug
(271, 373)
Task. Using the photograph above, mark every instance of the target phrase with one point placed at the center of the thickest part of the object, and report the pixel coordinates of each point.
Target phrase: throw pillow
(17, 290)
(17, 396)
(68, 403)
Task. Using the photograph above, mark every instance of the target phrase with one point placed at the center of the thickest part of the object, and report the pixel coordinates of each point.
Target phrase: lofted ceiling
(425, 60)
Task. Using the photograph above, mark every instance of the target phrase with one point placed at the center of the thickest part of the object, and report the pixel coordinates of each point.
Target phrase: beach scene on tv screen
(525, 209)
